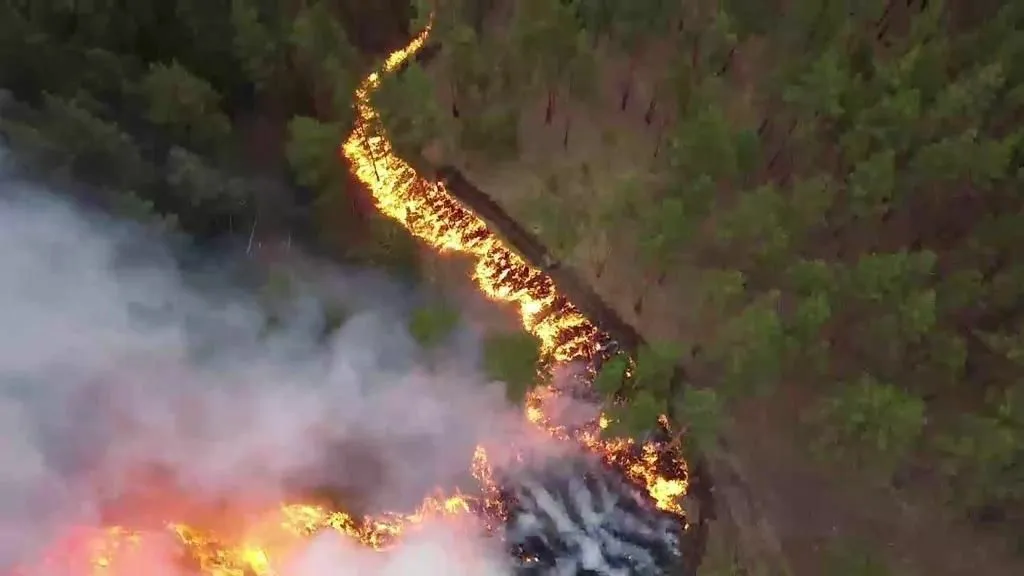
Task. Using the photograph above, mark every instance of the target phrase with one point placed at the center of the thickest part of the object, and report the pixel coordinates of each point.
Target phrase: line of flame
(434, 216)
(428, 212)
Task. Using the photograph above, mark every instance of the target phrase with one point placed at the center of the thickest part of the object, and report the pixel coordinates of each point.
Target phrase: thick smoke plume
(131, 391)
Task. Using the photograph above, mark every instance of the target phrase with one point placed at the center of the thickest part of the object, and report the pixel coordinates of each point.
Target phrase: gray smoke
(577, 516)
(123, 379)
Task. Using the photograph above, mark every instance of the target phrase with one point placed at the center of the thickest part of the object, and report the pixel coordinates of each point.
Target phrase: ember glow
(431, 214)
(427, 211)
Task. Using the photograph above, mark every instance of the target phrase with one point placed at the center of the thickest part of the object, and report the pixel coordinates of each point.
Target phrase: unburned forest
(810, 205)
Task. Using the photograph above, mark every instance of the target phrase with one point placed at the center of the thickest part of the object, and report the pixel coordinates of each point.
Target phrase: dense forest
(842, 179)
(220, 120)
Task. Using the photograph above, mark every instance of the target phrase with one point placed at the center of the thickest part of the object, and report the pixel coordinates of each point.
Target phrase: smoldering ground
(128, 392)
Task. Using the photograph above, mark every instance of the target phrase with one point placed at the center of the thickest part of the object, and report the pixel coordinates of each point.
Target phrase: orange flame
(428, 212)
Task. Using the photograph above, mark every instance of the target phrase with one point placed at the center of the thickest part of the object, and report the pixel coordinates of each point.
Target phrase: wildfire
(428, 212)
(431, 214)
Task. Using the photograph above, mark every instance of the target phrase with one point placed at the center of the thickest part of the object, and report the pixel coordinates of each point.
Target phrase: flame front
(431, 214)
(428, 212)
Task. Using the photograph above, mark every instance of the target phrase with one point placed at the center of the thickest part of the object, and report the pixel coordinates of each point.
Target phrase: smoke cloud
(131, 390)
(437, 549)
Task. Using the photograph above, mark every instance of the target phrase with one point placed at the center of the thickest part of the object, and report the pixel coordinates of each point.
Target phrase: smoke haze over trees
(218, 118)
(125, 377)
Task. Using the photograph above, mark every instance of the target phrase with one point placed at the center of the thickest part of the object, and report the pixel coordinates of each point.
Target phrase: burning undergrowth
(150, 423)
(131, 398)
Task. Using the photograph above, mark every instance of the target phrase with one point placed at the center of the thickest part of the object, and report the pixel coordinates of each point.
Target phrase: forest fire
(261, 543)
(432, 215)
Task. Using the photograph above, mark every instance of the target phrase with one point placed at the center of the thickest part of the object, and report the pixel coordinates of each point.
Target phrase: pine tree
(185, 105)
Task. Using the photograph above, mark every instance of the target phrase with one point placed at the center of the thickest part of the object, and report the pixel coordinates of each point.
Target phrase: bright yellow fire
(427, 211)
(431, 214)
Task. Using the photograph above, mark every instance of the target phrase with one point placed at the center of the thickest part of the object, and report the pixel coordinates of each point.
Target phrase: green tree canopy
(432, 324)
(512, 358)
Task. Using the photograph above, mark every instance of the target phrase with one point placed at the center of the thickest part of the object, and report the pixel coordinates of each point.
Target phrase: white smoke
(438, 548)
(120, 379)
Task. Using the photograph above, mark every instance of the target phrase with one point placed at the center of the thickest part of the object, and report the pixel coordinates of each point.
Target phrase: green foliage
(410, 117)
(754, 229)
(819, 90)
(635, 418)
(612, 376)
(127, 204)
(705, 143)
(750, 347)
(702, 412)
(872, 184)
(488, 104)
(983, 457)
(655, 366)
(879, 278)
(186, 105)
(552, 218)
(983, 454)
(645, 388)
(719, 291)
(319, 40)
(255, 45)
(151, 107)
(203, 186)
(666, 232)
(512, 358)
(874, 424)
(813, 294)
(312, 152)
(545, 32)
(64, 135)
(432, 324)
(494, 132)
(810, 198)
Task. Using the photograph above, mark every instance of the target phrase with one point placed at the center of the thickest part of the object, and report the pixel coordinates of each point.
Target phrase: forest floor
(831, 519)
(827, 518)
